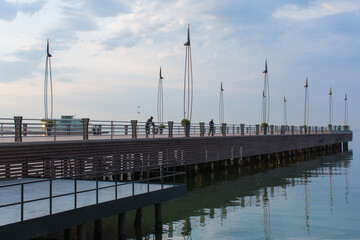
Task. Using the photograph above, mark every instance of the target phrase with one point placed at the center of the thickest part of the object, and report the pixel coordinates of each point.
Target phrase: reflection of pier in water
(216, 195)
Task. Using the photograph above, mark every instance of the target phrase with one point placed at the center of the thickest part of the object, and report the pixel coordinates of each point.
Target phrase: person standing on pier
(211, 126)
(147, 126)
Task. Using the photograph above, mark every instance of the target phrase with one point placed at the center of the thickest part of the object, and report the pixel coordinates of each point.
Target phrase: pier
(111, 173)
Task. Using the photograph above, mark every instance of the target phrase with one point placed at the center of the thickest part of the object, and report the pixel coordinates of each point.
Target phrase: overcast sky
(107, 54)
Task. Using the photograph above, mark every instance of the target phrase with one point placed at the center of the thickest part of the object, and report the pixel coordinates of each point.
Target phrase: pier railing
(20, 129)
(68, 193)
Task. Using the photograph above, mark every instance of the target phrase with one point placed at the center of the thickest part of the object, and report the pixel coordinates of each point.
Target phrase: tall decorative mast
(331, 109)
(285, 112)
(265, 106)
(221, 105)
(346, 112)
(48, 84)
(160, 100)
(306, 108)
(188, 80)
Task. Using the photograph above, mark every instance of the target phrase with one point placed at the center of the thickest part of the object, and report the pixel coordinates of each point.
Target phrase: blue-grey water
(312, 199)
(317, 198)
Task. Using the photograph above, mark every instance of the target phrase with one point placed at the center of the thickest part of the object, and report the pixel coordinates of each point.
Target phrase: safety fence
(19, 129)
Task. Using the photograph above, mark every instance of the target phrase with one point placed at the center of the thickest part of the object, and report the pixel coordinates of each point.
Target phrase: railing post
(322, 129)
(309, 129)
(282, 129)
(339, 128)
(223, 129)
(292, 129)
(112, 129)
(85, 122)
(242, 128)
(272, 129)
(330, 127)
(202, 129)
(316, 130)
(171, 128)
(257, 126)
(301, 129)
(126, 129)
(133, 128)
(18, 134)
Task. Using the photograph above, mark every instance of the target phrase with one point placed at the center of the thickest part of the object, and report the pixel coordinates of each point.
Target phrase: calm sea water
(312, 199)
(316, 198)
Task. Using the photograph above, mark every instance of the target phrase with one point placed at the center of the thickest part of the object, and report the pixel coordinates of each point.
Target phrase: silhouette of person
(147, 126)
(211, 125)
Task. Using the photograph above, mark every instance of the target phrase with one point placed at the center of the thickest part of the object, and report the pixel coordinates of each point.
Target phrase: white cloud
(317, 9)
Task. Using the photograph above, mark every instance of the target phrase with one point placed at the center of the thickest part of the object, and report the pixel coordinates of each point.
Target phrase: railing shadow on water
(24, 130)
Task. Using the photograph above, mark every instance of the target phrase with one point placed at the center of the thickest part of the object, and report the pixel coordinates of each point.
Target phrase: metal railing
(82, 129)
(155, 180)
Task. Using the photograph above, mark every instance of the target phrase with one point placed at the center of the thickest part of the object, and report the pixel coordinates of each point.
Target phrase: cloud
(25, 67)
(106, 8)
(9, 10)
(317, 9)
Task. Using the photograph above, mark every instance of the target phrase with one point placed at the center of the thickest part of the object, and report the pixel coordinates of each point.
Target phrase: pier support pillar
(67, 234)
(122, 226)
(18, 132)
(171, 127)
(330, 128)
(158, 218)
(138, 217)
(134, 128)
(242, 127)
(345, 146)
(81, 233)
(85, 122)
(202, 129)
(223, 129)
(98, 229)
(212, 166)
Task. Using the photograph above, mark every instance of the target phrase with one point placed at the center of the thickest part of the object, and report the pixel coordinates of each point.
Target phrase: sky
(106, 57)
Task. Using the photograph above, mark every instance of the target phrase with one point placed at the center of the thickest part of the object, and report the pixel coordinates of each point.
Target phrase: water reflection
(213, 195)
(247, 199)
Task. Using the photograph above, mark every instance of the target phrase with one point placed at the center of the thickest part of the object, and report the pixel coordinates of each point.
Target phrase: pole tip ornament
(48, 49)
(265, 71)
(160, 76)
(188, 37)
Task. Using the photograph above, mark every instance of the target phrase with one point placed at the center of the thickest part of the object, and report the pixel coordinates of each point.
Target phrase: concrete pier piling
(158, 218)
(98, 229)
(138, 217)
(122, 226)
